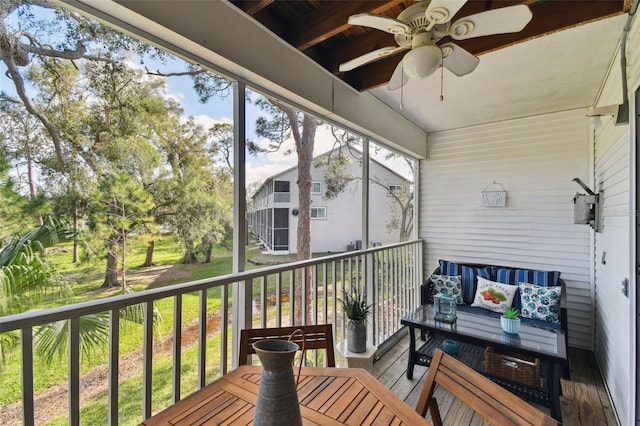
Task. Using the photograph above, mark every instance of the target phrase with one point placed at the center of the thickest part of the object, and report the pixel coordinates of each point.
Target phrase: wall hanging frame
(493, 195)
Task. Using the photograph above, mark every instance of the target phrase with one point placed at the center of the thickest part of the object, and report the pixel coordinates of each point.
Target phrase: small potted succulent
(356, 309)
(510, 321)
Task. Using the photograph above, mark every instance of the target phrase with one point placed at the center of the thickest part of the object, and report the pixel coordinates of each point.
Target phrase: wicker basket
(522, 369)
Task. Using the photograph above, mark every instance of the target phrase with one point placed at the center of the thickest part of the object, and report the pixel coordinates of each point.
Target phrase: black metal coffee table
(475, 333)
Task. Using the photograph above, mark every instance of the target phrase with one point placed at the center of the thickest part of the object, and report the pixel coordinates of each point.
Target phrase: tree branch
(174, 74)
(12, 70)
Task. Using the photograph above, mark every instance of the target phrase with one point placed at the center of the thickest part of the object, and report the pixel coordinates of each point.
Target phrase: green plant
(511, 313)
(355, 305)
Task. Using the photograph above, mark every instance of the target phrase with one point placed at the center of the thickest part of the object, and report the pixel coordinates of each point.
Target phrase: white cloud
(259, 172)
(207, 121)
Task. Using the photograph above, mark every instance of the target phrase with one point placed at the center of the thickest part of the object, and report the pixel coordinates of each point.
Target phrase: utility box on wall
(587, 207)
(586, 210)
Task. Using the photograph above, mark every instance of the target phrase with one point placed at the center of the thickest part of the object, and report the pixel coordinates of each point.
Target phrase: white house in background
(335, 223)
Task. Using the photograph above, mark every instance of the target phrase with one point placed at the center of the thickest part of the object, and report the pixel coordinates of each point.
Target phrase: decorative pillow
(452, 285)
(516, 276)
(494, 296)
(539, 302)
(468, 275)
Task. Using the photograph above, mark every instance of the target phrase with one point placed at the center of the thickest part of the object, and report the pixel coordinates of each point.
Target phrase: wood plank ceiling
(319, 28)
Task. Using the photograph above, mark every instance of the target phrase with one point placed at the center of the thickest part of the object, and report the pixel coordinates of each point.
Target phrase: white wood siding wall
(535, 160)
(612, 309)
(615, 331)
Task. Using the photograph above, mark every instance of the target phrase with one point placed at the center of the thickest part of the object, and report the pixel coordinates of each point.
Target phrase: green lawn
(86, 280)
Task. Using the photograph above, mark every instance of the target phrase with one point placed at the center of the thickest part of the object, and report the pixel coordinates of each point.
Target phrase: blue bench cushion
(468, 275)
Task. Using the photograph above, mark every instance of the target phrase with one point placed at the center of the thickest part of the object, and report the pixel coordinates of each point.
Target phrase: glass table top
(481, 329)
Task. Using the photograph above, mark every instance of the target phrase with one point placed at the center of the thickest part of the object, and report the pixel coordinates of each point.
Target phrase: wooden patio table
(328, 396)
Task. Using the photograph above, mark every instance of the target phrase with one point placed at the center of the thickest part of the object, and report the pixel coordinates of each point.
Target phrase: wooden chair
(491, 401)
(317, 337)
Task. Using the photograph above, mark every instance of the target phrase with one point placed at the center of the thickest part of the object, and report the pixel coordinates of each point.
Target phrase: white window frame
(313, 184)
(395, 189)
(318, 209)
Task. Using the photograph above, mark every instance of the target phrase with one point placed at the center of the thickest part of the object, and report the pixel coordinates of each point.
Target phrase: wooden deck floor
(584, 400)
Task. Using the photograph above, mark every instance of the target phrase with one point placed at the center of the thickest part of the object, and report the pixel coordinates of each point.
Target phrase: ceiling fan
(421, 26)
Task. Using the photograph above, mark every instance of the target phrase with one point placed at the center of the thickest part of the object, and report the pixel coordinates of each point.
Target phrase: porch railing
(276, 295)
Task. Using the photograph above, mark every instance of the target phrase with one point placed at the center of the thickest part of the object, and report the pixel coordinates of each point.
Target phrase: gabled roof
(329, 152)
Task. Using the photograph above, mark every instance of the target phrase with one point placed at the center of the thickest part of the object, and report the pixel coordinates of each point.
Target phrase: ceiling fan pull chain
(441, 78)
(402, 88)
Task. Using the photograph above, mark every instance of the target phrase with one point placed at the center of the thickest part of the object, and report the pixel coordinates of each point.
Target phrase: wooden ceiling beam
(260, 11)
(331, 19)
(251, 7)
(548, 17)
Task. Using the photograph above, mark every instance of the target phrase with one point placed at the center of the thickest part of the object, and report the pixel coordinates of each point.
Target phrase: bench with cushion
(544, 296)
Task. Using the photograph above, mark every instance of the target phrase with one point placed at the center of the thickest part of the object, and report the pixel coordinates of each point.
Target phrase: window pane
(281, 186)
(318, 212)
(281, 218)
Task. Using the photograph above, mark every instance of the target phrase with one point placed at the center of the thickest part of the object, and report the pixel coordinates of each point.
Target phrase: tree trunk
(33, 191)
(304, 146)
(208, 253)
(190, 258)
(111, 275)
(75, 233)
(190, 255)
(148, 261)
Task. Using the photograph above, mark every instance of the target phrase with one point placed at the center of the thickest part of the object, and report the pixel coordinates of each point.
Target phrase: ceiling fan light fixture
(422, 61)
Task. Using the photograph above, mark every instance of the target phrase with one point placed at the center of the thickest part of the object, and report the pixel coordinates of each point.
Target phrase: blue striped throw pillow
(469, 276)
(517, 276)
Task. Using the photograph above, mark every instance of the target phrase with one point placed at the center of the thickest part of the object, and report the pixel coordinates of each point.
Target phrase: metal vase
(356, 336)
(277, 396)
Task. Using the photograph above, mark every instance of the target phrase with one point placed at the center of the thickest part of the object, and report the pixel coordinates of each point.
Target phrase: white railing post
(369, 282)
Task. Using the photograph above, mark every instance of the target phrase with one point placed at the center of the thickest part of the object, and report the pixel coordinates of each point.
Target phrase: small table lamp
(444, 307)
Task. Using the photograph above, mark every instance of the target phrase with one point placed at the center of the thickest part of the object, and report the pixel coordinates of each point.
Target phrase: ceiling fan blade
(510, 19)
(457, 60)
(368, 57)
(398, 79)
(441, 11)
(379, 22)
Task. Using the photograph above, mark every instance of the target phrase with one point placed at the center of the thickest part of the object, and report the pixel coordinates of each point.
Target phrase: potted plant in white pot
(356, 309)
(510, 321)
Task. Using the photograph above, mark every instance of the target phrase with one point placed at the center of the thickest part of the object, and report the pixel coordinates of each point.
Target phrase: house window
(395, 190)
(316, 187)
(281, 186)
(281, 191)
(318, 212)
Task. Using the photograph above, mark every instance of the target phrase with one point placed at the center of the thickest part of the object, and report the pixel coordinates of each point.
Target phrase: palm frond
(52, 339)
